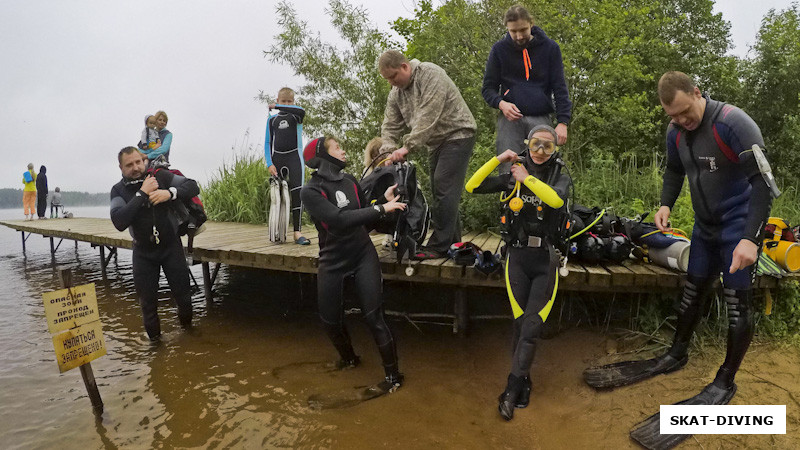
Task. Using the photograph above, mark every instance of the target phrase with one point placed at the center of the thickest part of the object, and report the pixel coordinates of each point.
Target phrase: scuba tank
(676, 256)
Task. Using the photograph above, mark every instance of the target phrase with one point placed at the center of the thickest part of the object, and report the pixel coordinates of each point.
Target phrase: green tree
(773, 95)
(614, 51)
(344, 94)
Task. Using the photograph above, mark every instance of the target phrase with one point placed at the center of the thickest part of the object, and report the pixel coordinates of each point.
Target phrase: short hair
(517, 12)
(58, 189)
(161, 113)
(327, 142)
(672, 82)
(391, 59)
(126, 151)
(287, 92)
(30, 166)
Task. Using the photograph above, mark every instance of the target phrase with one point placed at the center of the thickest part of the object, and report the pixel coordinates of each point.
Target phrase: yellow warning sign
(79, 346)
(69, 308)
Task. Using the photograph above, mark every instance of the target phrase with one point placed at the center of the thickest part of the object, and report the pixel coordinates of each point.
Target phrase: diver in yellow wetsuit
(534, 221)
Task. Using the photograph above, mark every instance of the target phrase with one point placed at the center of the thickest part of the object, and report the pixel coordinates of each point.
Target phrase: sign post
(74, 321)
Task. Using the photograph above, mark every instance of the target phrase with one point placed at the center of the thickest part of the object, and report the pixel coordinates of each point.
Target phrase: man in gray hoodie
(426, 101)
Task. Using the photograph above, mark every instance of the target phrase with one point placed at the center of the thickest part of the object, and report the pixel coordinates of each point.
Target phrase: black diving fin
(628, 372)
(648, 433)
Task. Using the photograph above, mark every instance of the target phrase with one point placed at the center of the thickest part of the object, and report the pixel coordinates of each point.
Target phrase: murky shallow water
(244, 379)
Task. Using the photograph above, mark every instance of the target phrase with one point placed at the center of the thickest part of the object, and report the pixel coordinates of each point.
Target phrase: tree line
(614, 53)
(12, 198)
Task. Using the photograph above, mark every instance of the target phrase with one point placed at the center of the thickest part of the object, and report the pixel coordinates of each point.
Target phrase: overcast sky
(78, 77)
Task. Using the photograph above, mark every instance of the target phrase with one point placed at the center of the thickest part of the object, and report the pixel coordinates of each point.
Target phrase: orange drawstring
(526, 61)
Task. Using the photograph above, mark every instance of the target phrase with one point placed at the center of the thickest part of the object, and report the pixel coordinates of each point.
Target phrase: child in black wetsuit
(340, 212)
(282, 152)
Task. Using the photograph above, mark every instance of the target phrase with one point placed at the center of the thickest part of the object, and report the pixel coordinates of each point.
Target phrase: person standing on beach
(532, 227)
(524, 75)
(29, 192)
(141, 203)
(426, 101)
(41, 193)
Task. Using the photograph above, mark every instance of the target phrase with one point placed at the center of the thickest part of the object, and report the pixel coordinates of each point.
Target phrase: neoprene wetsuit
(131, 208)
(531, 271)
(531, 268)
(338, 207)
(282, 148)
(731, 202)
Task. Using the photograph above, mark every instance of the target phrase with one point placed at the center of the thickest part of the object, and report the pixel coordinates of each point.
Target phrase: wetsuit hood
(315, 154)
(539, 168)
(330, 170)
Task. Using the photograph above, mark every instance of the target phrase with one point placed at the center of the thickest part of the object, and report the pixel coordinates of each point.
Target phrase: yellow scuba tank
(785, 253)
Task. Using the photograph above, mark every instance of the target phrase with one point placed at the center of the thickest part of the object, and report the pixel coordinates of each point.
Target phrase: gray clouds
(78, 77)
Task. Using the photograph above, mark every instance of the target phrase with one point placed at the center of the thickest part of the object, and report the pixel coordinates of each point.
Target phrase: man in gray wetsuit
(717, 147)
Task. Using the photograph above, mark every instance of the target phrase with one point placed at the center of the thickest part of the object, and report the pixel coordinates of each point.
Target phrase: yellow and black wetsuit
(531, 268)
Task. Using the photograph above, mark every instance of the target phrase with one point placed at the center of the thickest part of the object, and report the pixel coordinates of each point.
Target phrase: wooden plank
(665, 277)
(577, 276)
(620, 275)
(248, 246)
(597, 276)
(643, 276)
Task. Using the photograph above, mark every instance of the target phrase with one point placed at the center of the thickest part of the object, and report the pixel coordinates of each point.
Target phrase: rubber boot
(740, 334)
(525, 396)
(695, 294)
(509, 398)
(388, 354)
(341, 341)
(392, 382)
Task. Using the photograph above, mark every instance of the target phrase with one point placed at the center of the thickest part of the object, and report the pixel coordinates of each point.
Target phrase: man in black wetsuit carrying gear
(141, 203)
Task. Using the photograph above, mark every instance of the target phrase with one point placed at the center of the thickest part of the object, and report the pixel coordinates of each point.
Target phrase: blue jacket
(166, 142)
(533, 91)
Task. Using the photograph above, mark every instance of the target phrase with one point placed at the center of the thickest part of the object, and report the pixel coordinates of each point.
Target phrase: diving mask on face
(537, 144)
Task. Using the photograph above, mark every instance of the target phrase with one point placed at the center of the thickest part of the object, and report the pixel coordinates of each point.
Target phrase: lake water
(245, 378)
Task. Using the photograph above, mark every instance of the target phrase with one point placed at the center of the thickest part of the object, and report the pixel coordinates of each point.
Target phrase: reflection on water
(211, 387)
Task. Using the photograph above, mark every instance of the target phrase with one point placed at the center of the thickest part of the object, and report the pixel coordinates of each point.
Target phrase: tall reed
(239, 191)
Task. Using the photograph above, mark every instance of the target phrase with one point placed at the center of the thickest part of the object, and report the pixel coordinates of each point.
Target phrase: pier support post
(112, 251)
(208, 280)
(460, 312)
(103, 261)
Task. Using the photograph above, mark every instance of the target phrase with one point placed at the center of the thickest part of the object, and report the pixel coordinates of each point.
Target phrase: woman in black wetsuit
(340, 212)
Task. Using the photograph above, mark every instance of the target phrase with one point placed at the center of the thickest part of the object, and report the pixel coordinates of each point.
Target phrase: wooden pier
(248, 245)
